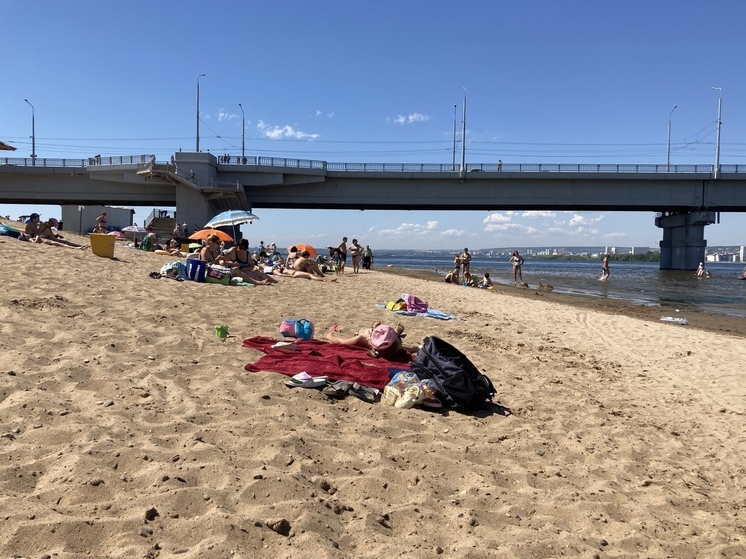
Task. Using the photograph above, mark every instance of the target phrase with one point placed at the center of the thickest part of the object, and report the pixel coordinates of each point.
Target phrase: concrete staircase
(163, 227)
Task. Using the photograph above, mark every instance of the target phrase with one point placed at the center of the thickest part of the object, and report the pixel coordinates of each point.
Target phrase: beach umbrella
(302, 247)
(231, 218)
(204, 233)
(134, 229)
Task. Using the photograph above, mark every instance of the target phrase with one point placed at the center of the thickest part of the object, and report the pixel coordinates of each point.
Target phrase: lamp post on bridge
(453, 164)
(33, 133)
(717, 141)
(243, 132)
(463, 141)
(197, 145)
(668, 143)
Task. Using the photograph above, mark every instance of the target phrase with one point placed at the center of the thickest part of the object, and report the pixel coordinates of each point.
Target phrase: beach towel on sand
(430, 313)
(317, 357)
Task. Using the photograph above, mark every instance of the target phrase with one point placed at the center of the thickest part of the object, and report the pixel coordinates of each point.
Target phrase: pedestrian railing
(143, 161)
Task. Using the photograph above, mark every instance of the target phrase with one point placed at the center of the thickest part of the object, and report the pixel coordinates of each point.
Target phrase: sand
(130, 430)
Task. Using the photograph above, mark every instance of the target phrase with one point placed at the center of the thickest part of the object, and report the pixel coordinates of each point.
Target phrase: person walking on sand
(605, 272)
(516, 260)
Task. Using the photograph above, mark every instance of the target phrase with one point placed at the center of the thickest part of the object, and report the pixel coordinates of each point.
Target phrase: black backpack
(460, 384)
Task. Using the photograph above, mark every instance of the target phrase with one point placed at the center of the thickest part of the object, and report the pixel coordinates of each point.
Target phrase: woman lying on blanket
(381, 341)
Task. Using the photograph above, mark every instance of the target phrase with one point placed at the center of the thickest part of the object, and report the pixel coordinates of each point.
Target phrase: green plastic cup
(221, 330)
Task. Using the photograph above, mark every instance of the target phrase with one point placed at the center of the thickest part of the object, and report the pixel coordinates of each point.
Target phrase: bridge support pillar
(683, 244)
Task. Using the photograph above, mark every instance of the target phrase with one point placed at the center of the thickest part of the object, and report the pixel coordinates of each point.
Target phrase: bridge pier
(683, 244)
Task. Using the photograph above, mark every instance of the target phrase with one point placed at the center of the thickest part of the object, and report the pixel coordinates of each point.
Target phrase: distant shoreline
(710, 322)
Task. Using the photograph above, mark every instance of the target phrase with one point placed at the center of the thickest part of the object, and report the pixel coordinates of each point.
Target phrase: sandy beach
(130, 430)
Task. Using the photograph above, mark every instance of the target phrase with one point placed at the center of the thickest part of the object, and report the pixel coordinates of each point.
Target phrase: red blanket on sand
(316, 357)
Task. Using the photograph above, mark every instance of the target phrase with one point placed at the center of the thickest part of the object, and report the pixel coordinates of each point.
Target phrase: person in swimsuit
(465, 260)
(210, 253)
(100, 223)
(36, 228)
(237, 258)
(605, 272)
(362, 339)
(356, 252)
(342, 252)
(517, 261)
(452, 277)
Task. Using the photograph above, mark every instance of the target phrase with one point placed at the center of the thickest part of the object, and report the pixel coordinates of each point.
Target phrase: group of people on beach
(38, 231)
(358, 254)
(461, 273)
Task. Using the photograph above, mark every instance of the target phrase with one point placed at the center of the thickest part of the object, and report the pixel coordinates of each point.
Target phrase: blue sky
(547, 82)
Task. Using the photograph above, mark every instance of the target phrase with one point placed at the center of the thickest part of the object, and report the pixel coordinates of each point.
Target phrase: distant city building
(741, 253)
(640, 250)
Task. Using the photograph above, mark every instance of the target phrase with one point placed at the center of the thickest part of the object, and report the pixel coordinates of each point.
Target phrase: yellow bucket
(185, 248)
(102, 245)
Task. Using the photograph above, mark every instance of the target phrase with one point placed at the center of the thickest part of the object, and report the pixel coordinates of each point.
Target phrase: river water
(639, 282)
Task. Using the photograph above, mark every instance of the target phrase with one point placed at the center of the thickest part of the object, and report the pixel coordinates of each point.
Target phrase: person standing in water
(605, 271)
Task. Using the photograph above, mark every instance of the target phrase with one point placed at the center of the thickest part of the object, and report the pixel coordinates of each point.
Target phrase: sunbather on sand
(385, 342)
(305, 264)
(289, 272)
(55, 243)
(237, 258)
(35, 228)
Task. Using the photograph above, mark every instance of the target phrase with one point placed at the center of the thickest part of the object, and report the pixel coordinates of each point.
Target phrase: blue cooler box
(196, 269)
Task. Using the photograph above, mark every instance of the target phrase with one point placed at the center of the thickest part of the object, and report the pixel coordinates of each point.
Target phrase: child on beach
(485, 282)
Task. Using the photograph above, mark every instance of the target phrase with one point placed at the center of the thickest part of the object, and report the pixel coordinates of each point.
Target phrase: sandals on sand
(338, 389)
(304, 380)
(341, 388)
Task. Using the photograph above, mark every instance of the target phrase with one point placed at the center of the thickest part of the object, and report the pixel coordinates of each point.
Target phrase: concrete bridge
(685, 197)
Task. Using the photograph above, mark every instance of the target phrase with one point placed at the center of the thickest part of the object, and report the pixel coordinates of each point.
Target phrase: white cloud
(511, 229)
(491, 219)
(587, 232)
(411, 229)
(225, 116)
(414, 117)
(579, 219)
(538, 213)
(455, 233)
(280, 132)
(615, 235)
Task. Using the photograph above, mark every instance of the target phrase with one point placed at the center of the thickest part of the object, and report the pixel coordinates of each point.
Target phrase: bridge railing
(87, 162)
(389, 167)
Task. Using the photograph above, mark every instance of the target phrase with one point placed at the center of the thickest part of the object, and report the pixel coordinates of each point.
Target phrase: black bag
(460, 384)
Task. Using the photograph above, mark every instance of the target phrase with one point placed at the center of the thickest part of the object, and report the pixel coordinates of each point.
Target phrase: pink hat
(383, 337)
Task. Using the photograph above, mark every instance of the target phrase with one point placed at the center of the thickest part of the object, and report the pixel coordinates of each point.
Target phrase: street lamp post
(463, 141)
(453, 164)
(198, 77)
(668, 143)
(717, 141)
(243, 132)
(33, 133)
